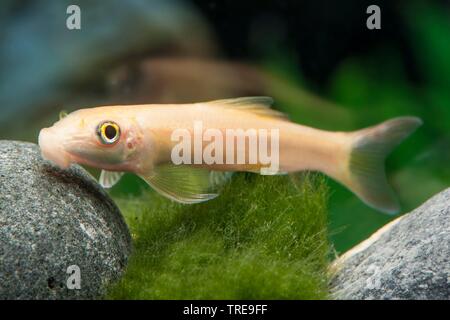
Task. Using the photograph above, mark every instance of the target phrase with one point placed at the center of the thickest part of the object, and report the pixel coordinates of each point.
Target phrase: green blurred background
(316, 58)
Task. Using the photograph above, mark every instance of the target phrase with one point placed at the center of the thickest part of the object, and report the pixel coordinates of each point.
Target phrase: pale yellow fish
(139, 139)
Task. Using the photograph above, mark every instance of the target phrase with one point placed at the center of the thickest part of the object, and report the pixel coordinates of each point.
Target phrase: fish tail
(364, 173)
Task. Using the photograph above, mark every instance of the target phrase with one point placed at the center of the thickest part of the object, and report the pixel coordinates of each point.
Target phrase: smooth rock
(52, 220)
(407, 259)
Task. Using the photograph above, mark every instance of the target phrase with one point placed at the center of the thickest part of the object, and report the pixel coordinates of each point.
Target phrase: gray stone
(407, 259)
(51, 219)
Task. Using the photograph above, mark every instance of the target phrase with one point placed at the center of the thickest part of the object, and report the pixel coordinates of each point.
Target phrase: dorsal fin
(245, 101)
(256, 105)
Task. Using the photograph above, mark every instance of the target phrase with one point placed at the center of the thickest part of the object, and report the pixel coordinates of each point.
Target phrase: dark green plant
(262, 238)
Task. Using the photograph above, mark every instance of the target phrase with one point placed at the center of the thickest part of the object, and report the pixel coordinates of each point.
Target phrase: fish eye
(108, 132)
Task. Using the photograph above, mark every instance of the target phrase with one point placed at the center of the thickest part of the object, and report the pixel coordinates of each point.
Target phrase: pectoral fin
(109, 178)
(186, 184)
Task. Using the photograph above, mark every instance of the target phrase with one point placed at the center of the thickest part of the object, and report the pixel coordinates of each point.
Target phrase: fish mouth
(52, 148)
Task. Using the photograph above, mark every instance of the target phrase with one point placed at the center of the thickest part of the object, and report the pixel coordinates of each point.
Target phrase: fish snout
(52, 148)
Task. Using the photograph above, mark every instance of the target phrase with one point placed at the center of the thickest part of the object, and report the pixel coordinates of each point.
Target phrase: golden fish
(146, 140)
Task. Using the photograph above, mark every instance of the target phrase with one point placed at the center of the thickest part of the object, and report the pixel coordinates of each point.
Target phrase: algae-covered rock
(407, 259)
(54, 223)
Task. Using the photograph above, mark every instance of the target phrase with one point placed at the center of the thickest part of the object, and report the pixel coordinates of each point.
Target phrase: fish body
(146, 140)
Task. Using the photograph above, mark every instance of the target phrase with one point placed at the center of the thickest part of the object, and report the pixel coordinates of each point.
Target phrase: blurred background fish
(315, 57)
(185, 80)
(46, 67)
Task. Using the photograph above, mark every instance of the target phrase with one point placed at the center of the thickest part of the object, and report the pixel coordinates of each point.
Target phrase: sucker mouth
(52, 149)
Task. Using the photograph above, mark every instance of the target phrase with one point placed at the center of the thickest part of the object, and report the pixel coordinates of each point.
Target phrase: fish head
(103, 137)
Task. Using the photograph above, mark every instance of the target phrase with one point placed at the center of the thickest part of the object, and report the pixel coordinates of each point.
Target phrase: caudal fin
(366, 173)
